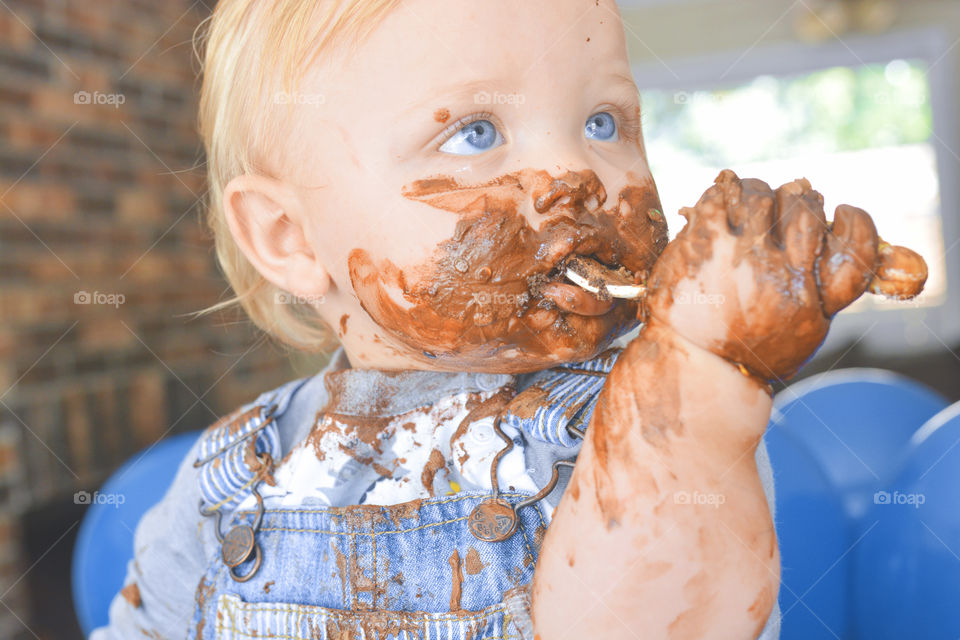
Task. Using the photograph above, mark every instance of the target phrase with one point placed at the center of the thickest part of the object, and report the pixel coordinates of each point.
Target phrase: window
(862, 132)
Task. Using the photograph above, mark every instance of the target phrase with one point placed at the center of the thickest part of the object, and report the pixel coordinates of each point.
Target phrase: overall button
(491, 381)
(237, 545)
(481, 432)
(492, 520)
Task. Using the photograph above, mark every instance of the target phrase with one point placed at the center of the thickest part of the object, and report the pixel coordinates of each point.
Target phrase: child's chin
(531, 342)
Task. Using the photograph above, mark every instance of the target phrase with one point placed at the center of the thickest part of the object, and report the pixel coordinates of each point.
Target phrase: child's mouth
(594, 286)
(525, 277)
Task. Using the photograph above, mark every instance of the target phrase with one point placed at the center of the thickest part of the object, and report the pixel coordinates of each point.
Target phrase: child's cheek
(481, 292)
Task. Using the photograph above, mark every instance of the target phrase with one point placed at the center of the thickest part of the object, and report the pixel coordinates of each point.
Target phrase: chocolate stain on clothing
(131, 593)
(473, 563)
(456, 581)
(434, 464)
(205, 589)
(485, 409)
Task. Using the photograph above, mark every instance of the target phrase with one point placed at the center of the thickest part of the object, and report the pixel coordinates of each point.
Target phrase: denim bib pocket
(240, 620)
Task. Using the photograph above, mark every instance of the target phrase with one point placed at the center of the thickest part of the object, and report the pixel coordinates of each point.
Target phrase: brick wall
(101, 251)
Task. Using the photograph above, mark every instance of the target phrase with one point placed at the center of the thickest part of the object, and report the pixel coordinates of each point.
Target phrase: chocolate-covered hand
(756, 274)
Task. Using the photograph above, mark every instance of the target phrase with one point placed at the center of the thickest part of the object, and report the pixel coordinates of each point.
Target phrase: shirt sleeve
(157, 600)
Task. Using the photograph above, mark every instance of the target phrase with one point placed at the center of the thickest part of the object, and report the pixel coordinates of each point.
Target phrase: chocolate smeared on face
(494, 290)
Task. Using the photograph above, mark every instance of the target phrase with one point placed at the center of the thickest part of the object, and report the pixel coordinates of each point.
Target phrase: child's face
(461, 152)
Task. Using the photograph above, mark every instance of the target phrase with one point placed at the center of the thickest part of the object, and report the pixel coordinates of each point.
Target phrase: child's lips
(603, 281)
(592, 289)
(573, 299)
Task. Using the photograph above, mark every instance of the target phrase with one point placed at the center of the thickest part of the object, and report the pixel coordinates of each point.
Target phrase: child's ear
(266, 220)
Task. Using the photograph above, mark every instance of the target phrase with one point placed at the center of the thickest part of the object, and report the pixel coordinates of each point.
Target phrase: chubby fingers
(714, 206)
(749, 204)
(801, 224)
(846, 265)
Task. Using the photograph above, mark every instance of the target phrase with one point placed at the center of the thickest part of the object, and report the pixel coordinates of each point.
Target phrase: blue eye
(601, 126)
(473, 138)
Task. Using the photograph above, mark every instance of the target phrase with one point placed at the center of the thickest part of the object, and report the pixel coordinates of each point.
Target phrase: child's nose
(571, 193)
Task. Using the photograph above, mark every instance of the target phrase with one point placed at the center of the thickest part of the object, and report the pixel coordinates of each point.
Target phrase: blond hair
(242, 47)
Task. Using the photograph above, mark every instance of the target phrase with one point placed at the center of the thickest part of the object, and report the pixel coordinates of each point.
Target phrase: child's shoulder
(290, 407)
(245, 444)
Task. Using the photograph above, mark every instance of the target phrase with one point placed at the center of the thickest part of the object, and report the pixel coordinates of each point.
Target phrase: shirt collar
(386, 393)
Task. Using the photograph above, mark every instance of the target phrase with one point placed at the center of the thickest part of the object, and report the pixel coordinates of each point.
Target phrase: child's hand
(756, 275)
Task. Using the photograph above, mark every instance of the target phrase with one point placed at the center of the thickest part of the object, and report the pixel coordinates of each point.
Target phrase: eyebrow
(464, 92)
(454, 93)
(627, 81)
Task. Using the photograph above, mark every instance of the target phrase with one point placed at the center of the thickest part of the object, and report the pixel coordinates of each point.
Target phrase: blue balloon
(856, 423)
(813, 534)
(105, 540)
(907, 565)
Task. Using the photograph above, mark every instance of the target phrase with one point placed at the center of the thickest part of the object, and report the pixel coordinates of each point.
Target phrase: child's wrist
(722, 411)
(663, 332)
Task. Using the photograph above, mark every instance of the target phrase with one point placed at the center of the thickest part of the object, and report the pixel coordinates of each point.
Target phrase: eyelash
(453, 127)
(630, 119)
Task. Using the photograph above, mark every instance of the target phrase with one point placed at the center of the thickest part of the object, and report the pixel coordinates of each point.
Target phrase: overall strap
(557, 405)
(240, 449)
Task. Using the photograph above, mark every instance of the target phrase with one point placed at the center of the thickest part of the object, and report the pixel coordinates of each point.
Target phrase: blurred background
(858, 96)
(102, 254)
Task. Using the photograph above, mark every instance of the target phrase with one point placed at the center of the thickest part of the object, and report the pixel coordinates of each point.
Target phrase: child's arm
(664, 530)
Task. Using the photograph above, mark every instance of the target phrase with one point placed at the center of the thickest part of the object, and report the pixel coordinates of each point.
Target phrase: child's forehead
(445, 42)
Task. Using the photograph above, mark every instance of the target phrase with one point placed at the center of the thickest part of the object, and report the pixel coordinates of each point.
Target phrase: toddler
(418, 178)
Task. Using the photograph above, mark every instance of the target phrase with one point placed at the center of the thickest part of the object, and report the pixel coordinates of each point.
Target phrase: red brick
(148, 416)
(140, 205)
(104, 334)
(15, 32)
(22, 133)
(110, 445)
(88, 18)
(9, 453)
(20, 305)
(79, 430)
(32, 201)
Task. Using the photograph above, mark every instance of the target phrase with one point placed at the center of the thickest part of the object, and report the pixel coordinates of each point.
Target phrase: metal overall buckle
(239, 544)
(495, 520)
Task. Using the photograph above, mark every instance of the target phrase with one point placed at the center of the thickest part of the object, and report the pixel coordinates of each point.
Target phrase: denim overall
(452, 567)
